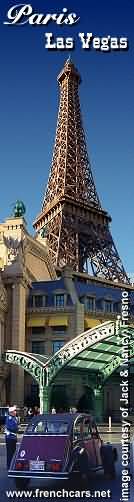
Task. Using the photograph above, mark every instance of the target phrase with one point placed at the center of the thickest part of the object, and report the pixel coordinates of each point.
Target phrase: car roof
(66, 417)
(4, 407)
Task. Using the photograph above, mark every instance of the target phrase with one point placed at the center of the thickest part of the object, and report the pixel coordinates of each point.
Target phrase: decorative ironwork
(77, 228)
(45, 372)
(29, 363)
(70, 175)
(78, 345)
(84, 341)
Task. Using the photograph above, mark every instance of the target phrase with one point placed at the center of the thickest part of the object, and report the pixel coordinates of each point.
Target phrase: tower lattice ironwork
(72, 219)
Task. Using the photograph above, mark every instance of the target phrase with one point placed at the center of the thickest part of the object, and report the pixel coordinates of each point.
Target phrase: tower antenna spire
(69, 58)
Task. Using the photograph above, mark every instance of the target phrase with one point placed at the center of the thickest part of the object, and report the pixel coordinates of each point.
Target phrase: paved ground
(103, 486)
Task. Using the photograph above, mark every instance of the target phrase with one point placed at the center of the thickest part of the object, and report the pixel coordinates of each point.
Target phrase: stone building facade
(22, 260)
(42, 308)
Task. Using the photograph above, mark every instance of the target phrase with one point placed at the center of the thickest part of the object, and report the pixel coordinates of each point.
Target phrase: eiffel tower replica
(72, 219)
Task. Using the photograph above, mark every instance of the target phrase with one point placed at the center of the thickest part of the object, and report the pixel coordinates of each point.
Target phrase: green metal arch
(80, 343)
(116, 363)
(44, 370)
(29, 362)
(87, 340)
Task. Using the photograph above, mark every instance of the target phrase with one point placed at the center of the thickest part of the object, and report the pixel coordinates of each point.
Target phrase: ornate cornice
(40, 251)
(17, 251)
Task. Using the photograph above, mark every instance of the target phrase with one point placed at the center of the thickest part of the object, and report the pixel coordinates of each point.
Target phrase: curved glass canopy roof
(99, 350)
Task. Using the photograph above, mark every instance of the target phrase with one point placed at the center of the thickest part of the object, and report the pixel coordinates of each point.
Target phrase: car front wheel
(21, 483)
(82, 468)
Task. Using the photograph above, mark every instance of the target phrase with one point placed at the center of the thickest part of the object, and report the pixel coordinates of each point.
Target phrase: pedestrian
(25, 410)
(11, 428)
(30, 413)
(53, 411)
(74, 410)
(36, 411)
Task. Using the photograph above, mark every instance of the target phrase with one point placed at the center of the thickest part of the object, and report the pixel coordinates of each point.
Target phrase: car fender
(79, 460)
(108, 459)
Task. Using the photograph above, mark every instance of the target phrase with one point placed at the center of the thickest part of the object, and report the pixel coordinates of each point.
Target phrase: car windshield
(48, 427)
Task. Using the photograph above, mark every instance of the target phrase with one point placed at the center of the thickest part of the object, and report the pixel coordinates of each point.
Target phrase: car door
(92, 442)
(97, 443)
(88, 442)
(77, 436)
(78, 431)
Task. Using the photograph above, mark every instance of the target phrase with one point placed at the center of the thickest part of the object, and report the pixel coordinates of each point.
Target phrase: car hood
(44, 447)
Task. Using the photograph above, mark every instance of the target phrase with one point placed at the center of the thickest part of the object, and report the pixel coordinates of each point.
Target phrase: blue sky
(29, 104)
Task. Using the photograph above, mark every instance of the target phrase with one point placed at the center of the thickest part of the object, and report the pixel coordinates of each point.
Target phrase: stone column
(44, 399)
(48, 341)
(2, 336)
(2, 367)
(79, 318)
(0, 340)
(18, 339)
(3, 372)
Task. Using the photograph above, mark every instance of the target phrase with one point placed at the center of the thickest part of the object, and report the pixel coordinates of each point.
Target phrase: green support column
(99, 404)
(44, 399)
